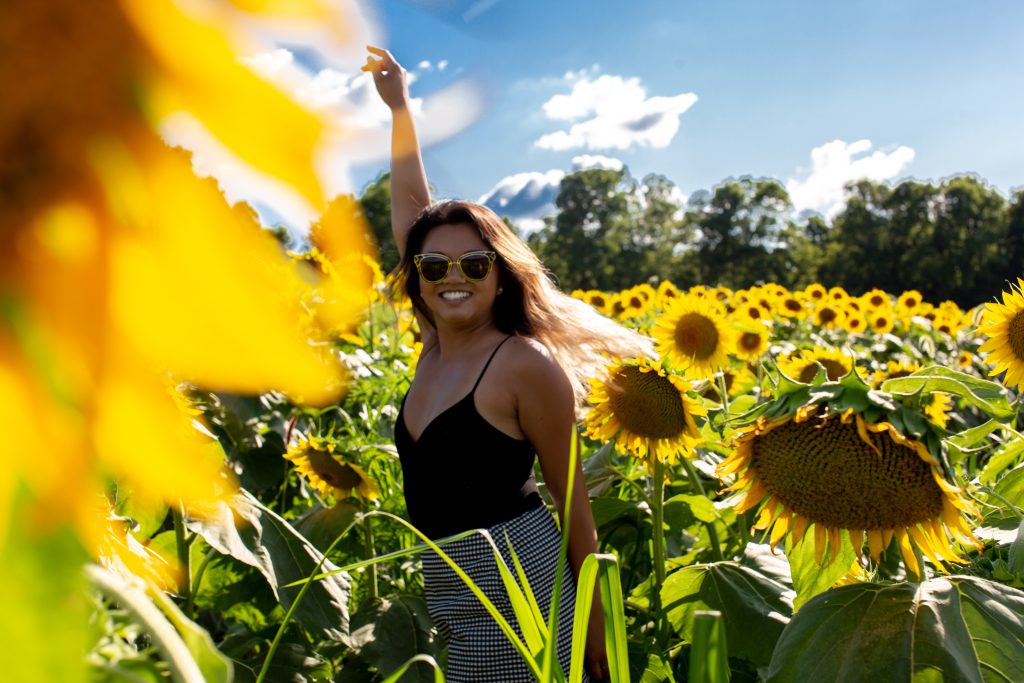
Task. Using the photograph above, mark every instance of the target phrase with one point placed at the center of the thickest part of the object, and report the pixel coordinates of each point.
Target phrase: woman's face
(456, 300)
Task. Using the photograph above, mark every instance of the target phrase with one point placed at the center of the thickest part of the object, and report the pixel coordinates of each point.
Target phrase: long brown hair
(530, 304)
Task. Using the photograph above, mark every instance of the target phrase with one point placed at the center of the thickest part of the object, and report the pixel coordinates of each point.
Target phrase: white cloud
(617, 114)
(442, 65)
(527, 198)
(837, 163)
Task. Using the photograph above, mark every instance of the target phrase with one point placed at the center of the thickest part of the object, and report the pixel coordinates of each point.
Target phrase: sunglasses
(474, 265)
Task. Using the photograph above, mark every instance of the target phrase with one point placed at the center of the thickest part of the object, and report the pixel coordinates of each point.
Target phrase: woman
(491, 392)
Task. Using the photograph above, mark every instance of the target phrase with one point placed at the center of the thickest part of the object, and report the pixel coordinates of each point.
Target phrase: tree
(741, 230)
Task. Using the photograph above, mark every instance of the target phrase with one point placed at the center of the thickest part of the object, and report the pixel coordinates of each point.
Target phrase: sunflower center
(827, 315)
(793, 305)
(827, 473)
(646, 404)
(834, 371)
(338, 475)
(750, 341)
(696, 336)
(1015, 333)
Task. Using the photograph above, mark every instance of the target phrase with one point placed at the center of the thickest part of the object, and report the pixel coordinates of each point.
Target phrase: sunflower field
(199, 481)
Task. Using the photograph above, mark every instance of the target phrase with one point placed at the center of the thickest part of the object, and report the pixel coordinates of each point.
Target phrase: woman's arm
(547, 417)
(409, 191)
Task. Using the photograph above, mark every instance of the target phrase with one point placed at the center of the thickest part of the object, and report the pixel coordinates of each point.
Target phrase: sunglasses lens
(433, 269)
(475, 266)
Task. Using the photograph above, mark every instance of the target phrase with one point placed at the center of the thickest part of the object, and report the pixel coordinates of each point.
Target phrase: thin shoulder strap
(488, 363)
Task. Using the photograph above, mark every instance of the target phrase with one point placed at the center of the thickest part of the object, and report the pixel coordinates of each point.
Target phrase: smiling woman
(504, 367)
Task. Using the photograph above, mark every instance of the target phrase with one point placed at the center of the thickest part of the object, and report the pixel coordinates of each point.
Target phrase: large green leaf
(811, 578)
(257, 536)
(395, 630)
(215, 667)
(755, 608)
(987, 396)
(956, 628)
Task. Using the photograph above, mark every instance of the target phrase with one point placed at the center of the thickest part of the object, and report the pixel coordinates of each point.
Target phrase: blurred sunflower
(909, 302)
(803, 365)
(636, 301)
(894, 369)
(881, 320)
(118, 265)
(937, 407)
(875, 299)
(693, 334)
(328, 472)
(965, 359)
(815, 293)
(838, 295)
(1003, 324)
(813, 467)
(828, 316)
(751, 340)
(646, 410)
(853, 321)
(666, 292)
(597, 299)
(737, 381)
(791, 306)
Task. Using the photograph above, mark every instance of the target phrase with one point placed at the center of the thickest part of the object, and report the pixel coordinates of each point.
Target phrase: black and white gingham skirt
(478, 651)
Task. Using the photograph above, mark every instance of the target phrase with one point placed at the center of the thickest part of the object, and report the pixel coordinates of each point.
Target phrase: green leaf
(183, 667)
(956, 628)
(657, 671)
(215, 667)
(400, 630)
(709, 658)
(1000, 460)
(703, 509)
(756, 608)
(810, 578)
(257, 536)
(1016, 557)
(987, 396)
(1011, 486)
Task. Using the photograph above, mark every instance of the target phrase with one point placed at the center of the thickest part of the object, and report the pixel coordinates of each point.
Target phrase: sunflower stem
(723, 393)
(178, 515)
(370, 552)
(694, 476)
(658, 550)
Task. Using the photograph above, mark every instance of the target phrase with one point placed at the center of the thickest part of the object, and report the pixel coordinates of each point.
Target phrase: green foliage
(954, 629)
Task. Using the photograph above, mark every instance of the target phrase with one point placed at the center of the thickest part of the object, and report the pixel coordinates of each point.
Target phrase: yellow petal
(255, 120)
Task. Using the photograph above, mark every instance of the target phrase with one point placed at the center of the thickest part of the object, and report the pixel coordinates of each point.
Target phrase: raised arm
(409, 191)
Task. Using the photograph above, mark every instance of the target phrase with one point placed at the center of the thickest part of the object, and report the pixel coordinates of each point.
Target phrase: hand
(389, 77)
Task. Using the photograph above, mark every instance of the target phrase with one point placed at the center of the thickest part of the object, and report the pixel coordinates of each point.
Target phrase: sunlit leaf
(954, 629)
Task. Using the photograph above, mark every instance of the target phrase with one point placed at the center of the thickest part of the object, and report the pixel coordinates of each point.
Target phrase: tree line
(959, 239)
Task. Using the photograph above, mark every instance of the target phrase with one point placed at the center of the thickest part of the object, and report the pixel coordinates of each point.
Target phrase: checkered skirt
(478, 651)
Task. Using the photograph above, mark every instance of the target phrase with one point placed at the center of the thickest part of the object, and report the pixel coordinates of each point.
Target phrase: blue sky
(511, 94)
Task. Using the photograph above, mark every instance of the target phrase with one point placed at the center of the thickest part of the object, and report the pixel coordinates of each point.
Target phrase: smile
(454, 296)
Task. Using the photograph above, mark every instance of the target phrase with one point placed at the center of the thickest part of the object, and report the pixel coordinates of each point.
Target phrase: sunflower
(694, 336)
(875, 299)
(597, 299)
(854, 321)
(646, 410)
(737, 382)
(791, 306)
(1003, 324)
(881, 320)
(965, 359)
(327, 471)
(803, 365)
(894, 369)
(667, 292)
(751, 340)
(938, 407)
(636, 301)
(815, 292)
(828, 315)
(821, 469)
(838, 295)
(909, 301)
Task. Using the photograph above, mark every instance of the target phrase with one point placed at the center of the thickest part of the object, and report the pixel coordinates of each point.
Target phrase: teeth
(455, 295)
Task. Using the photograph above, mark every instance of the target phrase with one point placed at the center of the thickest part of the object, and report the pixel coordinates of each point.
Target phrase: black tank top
(464, 473)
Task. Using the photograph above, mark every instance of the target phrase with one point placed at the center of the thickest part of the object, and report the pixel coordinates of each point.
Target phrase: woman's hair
(579, 338)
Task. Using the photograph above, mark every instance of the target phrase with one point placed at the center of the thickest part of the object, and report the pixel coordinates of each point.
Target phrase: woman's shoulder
(531, 364)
